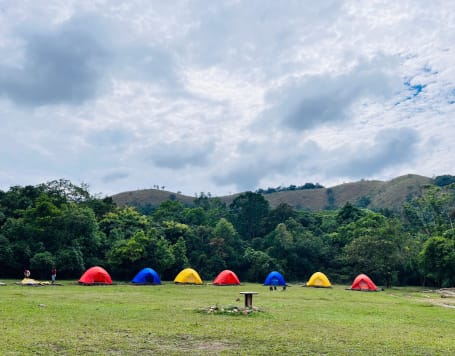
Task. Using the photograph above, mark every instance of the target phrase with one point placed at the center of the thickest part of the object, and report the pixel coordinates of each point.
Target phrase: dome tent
(95, 275)
(319, 279)
(226, 278)
(274, 278)
(188, 276)
(363, 283)
(146, 276)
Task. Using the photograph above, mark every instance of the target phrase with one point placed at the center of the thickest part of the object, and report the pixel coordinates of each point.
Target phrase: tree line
(58, 224)
(292, 187)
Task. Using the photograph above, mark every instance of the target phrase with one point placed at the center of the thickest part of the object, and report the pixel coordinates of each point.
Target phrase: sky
(224, 96)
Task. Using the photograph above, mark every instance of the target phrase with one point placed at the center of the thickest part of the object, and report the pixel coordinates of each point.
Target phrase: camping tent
(95, 275)
(274, 278)
(226, 278)
(32, 282)
(364, 283)
(147, 276)
(318, 279)
(188, 276)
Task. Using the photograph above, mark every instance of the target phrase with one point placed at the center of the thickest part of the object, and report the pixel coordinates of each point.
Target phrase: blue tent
(147, 276)
(275, 279)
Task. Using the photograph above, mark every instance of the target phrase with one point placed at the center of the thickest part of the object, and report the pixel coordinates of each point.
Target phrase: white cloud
(328, 99)
(224, 96)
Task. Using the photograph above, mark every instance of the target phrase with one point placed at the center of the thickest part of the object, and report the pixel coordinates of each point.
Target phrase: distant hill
(153, 197)
(372, 194)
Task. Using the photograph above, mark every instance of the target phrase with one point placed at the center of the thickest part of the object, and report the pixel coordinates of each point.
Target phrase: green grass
(166, 319)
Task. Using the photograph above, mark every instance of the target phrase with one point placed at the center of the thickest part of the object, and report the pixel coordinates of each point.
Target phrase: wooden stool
(248, 298)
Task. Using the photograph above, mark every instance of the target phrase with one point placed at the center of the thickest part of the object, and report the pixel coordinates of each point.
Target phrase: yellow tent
(319, 279)
(188, 276)
(32, 282)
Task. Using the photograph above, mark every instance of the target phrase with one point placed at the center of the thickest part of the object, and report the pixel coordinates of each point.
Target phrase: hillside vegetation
(58, 224)
(372, 194)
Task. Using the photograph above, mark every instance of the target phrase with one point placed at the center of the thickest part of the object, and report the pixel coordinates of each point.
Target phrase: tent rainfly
(363, 283)
(188, 276)
(274, 278)
(226, 278)
(32, 282)
(319, 279)
(95, 275)
(147, 276)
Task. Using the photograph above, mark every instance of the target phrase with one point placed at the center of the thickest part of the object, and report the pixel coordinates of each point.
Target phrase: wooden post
(248, 298)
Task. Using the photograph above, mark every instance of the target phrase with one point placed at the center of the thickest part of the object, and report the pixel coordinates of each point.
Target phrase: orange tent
(364, 283)
(226, 278)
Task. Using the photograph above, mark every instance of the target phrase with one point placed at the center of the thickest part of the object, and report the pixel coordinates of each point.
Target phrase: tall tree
(259, 264)
(169, 210)
(438, 261)
(179, 256)
(431, 213)
(279, 215)
(377, 252)
(249, 212)
(127, 256)
(123, 223)
(6, 257)
(349, 213)
(41, 263)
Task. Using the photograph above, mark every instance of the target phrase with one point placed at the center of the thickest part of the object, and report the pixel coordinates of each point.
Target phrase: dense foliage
(292, 187)
(62, 225)
(444, 180)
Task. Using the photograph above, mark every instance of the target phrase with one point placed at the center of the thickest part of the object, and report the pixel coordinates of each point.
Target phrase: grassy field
(166, 319)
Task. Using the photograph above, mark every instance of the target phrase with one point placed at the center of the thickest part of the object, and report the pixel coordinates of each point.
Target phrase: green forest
(59, 224)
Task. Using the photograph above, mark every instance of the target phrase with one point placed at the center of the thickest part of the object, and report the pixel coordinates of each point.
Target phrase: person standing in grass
(274, 282)
(53, 274)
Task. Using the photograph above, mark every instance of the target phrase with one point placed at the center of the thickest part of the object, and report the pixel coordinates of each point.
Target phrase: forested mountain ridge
(372, 194)
(58, 224)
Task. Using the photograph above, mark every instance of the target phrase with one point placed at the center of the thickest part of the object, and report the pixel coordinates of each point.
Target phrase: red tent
(364, 283)
(226, 278)
(95, 275)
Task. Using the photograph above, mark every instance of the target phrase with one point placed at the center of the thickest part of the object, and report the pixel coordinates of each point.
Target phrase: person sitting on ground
(27, 273)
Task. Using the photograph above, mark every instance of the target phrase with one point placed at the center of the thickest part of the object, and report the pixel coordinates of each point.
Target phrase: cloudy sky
(224, 96)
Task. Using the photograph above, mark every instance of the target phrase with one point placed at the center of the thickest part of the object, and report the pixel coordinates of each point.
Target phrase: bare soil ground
(444, 297)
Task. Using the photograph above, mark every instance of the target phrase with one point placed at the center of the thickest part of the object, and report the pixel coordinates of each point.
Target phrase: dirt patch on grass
(444, 297)
(186, 343)
(178, 344)
(441, 303)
